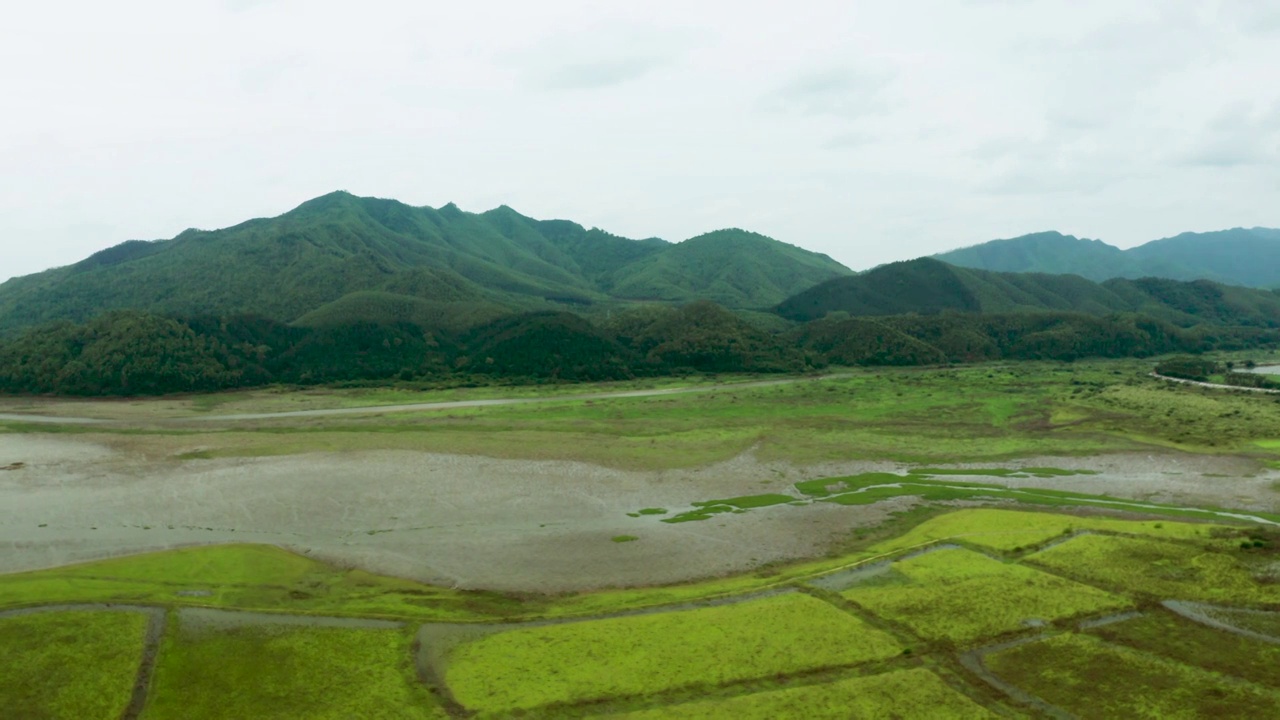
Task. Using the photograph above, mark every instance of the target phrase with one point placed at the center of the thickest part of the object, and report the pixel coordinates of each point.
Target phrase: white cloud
(868, 131)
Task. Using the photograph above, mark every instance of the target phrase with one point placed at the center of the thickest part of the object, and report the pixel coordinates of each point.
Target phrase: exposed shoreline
(485, 523)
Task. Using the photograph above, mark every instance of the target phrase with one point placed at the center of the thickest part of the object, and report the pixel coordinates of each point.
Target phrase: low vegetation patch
(870, 488)
(249, 577)
(268, 671)
(69, 665)
(961, 596)
(1211, 572)
(1184, 641)
(1265, 623)
(646, 654)
(1090, 678)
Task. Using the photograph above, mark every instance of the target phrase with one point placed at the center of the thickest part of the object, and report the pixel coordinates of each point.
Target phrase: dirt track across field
(367, 410)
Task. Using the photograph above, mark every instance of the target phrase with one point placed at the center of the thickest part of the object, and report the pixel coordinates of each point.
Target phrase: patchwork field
(1020, 541)
(921, 627)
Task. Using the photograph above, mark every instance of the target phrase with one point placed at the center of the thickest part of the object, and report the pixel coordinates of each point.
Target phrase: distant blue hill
(1248, 257)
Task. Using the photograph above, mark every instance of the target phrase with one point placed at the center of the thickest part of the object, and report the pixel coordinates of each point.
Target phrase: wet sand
(477, 522)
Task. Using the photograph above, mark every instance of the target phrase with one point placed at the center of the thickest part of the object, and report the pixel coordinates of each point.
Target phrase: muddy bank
(477, 522)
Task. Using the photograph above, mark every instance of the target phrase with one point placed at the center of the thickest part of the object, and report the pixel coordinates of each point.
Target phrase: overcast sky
(871, 131)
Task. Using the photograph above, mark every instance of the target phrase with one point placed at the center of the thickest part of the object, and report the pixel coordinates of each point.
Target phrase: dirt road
(416, 407)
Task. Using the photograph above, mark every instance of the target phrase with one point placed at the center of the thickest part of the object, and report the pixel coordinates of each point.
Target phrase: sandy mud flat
(475, 522)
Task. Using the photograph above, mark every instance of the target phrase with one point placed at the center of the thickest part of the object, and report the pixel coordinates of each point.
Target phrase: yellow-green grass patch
(1182, 571)
(75, 665)
(266, 672)
(1007, 530)
(251, 577)
(1090, 678)
(1179, 639)
(271, 579)
(900, 694)
(961, 596)
(645, 654)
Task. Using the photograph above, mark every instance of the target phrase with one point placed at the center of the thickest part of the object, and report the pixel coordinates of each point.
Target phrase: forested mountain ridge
(918, 312)
(929, 286)
(396, 255)
(1241, 256)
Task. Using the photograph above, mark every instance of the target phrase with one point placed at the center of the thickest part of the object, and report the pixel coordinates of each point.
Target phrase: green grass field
(899, 694)
(784, 655)
(287, 672)
(961, 596)
(1012, 530)
(1089, 678)
(247, 577)
(647, 654)
(69, 665)
(1211, 572)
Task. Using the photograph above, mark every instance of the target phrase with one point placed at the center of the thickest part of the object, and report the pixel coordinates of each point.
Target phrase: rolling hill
(928, 286)
(340, 257)
(1247, 257)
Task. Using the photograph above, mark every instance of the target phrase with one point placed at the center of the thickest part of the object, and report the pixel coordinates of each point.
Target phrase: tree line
(138, 353)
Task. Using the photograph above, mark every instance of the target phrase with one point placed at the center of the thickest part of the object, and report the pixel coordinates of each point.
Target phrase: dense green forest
(929, 286)
(346, 289)
(339, 259)
(1241, 256)
(139, 353)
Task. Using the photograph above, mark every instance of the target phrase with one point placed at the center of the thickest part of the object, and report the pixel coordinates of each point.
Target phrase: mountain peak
(387, 258)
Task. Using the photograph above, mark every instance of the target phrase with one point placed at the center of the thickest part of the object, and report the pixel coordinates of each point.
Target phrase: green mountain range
(1248, 257)
(928, 286)
(340, 258)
